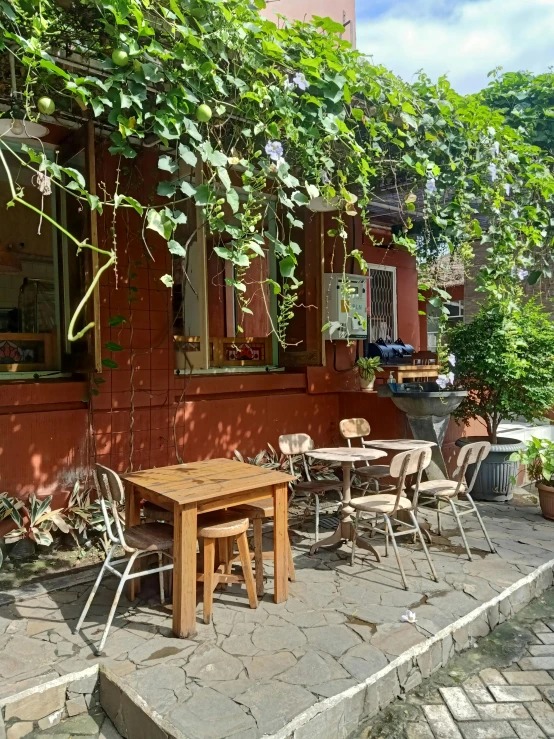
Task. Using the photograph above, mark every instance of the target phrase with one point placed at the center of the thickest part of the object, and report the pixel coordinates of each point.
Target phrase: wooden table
(396, 445)
(200, 487)
(346, 456)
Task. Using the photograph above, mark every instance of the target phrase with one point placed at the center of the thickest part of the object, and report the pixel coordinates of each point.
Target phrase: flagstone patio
(252, 671)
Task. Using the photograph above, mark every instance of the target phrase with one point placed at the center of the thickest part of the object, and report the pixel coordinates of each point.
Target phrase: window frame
(392, 270)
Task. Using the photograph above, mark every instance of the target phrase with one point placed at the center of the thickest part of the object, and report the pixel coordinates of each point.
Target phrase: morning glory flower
(442, 381)
(325, 179)
(409, 617)
(431, 185)
(507, 189)
(493, 171)
(522, 273)
(452, 360)
(288, 85)
(274, 150)
(300, 81)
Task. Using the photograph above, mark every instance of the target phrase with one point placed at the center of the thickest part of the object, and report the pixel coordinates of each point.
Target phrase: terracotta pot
(546, 498)
(366, 384)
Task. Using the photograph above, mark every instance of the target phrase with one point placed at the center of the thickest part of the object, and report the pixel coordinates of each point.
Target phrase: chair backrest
(111, 491)
(471, 454)
(297, 444)
(354, 428)
(412, 462)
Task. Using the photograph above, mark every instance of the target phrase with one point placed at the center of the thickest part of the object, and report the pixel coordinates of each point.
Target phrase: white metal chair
(435, 492)
(293, 445)
(384, 506)
(137, 541)
(359, 428)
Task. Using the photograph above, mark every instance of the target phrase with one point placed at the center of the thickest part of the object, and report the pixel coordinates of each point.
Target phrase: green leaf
(160, 223)
(116, 320)
(167, 280)
(166, 188)
(188, 156)
(287, 266)
(188, 189)
(233, 200)
(299, 198)
(224, 178)
(111, 346)
(176, 249)
(168, 164)
(275, 285)
(109, 363)
(534, 277)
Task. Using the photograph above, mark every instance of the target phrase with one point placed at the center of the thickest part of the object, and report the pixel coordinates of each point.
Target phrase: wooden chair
(300, 445)
(359, 428)
(448, 491)
(224, 528)
(137, 541)
(385, 506)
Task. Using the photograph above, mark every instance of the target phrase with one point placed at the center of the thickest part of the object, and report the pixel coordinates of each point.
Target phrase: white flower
(274, 150)
(452, 360)
(496, 149)
(300, 81)
(325, 179)
(515, 213)
(288, 85)
(493, 171)
(409, 617)
(443, 381)
(431, 185)
(522, 273)
(507, 189)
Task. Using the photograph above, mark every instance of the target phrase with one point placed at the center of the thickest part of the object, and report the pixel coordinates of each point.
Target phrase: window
(382, 292)
(455, 315)
(41, 276)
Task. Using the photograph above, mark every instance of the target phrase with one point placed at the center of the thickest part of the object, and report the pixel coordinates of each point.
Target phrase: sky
(464, 39)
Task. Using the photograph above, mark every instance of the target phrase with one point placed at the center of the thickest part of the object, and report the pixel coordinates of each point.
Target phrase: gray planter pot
(496, 478)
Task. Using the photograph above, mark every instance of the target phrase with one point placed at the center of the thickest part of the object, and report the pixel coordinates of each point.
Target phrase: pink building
(343, 11)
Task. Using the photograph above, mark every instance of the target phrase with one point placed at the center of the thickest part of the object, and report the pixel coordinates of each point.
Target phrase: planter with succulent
(539, 460)
(503, 358)
(367, 368)
(34, 523)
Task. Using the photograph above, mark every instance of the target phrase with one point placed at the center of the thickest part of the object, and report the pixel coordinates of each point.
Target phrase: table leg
(281, 543)
(184, 571)
(345, 529)
(132, 518)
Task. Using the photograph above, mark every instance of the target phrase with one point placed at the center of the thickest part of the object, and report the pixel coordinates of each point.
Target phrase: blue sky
(464, 39)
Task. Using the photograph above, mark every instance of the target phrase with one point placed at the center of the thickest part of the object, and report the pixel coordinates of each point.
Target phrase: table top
(200, 481)
(346, 454)
(397, 445)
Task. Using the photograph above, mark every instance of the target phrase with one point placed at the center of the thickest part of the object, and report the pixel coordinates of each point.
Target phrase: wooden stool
(224, 529)
(257, 512)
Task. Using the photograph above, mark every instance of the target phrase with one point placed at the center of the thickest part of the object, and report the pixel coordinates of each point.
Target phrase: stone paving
(503, 689)
(252, 671)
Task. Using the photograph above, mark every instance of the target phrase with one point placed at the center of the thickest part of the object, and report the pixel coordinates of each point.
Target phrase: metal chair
(448, 491)
(359, 428)
(385, 506)
(294, 445)
(137, 541)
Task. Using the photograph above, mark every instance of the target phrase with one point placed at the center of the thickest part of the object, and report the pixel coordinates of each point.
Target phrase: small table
(200, 487)
(397, 445)
(346, 456)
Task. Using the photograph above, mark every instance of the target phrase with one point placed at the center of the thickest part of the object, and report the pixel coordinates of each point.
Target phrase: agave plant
(35, 521)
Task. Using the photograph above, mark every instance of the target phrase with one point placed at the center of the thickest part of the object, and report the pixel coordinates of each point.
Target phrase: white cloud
(464, 40)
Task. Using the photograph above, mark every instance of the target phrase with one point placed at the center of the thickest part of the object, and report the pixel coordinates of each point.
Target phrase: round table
(346, 456)
(397, 445)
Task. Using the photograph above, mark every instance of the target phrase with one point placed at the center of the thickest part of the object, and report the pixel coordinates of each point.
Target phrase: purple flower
(431, 186)
(452, 360)
(274, 150)
(300, 81)
(522, 273)
(493, 171)
(442, 381)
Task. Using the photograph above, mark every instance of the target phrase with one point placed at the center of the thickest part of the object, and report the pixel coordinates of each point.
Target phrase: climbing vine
(246, 112)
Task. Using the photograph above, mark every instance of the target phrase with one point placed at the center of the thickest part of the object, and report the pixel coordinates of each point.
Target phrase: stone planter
(546, 499)
(497, 476)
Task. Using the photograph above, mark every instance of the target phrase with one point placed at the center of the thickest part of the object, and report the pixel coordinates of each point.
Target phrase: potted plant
(503, 358)
(34, 523)
(367, 368)
(539, 459)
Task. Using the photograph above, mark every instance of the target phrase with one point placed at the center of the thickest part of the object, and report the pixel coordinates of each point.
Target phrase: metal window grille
(382, 321)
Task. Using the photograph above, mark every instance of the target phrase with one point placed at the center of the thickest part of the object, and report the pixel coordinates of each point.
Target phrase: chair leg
(397, 553)
(481, 524)
(461, 529)
(93, 591)
(292, 569)
(354, 536)
(161, 574)
(424, 545)
(316, 517)
(439, 528)
(209, 579)
(246, 564)
(258, 556)
(122, 581)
